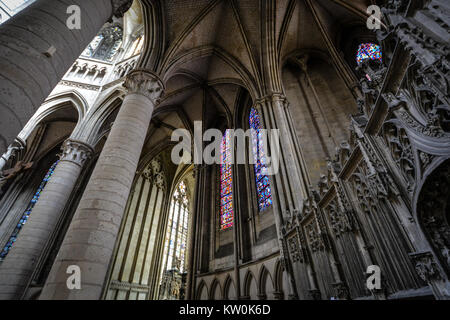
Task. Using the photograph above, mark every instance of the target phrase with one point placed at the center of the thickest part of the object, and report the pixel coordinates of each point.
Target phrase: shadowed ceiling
(210, 51)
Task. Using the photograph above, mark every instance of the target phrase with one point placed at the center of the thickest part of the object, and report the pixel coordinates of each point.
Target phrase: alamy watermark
(73, 282)
(74, 20)
(373, 281)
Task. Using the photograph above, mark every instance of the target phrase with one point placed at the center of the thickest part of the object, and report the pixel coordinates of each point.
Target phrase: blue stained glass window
(27, 213)
(369, 51)
(262, 181)
(226, 183)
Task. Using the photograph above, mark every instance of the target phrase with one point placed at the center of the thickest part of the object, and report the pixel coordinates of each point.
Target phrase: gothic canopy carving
(120, 7)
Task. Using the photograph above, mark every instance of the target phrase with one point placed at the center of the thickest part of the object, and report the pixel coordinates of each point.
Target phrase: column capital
(76, 151)
(120, 7)
(146, 83)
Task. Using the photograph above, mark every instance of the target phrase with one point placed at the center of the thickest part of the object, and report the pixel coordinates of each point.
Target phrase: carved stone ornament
(341, 291)
(338, 221)
(295, 249)
(145, 83)
(430, 130)
(315, 239)
(148, 174)
(76, 151)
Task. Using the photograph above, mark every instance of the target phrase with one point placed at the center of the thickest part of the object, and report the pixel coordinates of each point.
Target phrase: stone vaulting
(87, 177)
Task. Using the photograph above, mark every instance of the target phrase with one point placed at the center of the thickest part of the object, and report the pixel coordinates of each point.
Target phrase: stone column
(292, 177)
(89, 242)
(37, 49)
(16, 271)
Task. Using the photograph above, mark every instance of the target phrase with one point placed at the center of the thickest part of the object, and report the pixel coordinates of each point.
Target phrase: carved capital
(270, 99)
(120, 7)
(145, 83)
(295, 250)
(76, 151)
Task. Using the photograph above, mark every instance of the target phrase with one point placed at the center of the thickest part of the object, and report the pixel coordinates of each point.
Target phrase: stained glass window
(177, 231)
(27, 213)
(262, 181)
(226, 183)
(369, 51)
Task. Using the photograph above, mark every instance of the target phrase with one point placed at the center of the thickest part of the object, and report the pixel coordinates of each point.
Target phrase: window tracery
(177, 230)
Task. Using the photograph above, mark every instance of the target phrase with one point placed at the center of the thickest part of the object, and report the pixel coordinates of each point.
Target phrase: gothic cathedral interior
(96, 99)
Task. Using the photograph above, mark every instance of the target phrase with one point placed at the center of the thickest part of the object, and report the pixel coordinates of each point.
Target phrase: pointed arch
(266, 284)
(98, 115)
(250, 286)
(278, 280)
(61, 101)
(154, 34)
(229, 289)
